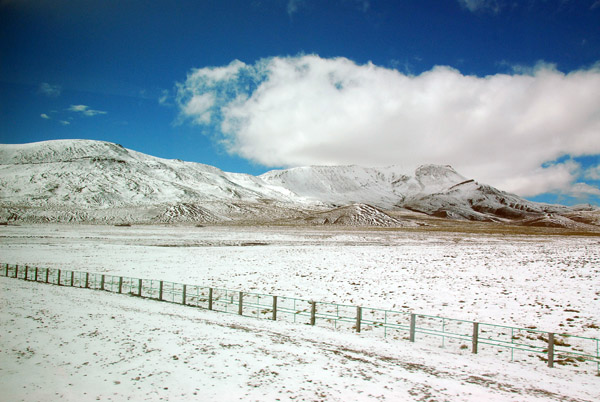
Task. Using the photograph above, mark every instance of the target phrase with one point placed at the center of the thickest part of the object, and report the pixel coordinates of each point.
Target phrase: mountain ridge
(103, 182)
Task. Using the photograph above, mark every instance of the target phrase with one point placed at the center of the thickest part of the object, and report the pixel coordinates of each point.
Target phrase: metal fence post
(87, 279)
(240, 301)
(58, 278)
(413, 326)
(16, 271)
(139, 288)
(358, 318)
(183, 296)
(72, 278)
(102, 278)
(47, 275)
(550, 350)
(274, 318)
(475, 337)
(120, 284)
(36, 273)
(210, 298)
(598, 355)
(26, 269)
(6, 271)
(160, 290)
(313, 312)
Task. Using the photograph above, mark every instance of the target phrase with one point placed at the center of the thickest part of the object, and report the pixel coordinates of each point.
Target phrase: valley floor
(78, 344)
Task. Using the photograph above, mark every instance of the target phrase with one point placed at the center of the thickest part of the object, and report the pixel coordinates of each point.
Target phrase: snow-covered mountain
(94, 181)
(432, 189)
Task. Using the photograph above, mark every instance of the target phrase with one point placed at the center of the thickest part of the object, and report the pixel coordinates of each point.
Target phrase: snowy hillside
(79, 180)
(94, 181)
(432, 189)
(92, 173)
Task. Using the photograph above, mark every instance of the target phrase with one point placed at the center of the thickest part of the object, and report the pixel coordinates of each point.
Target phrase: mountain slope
(431, 189)
(99, 174)
(94, 181)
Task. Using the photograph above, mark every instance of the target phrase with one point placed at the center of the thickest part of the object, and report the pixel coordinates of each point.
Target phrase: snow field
(547, 282)
(80, 345)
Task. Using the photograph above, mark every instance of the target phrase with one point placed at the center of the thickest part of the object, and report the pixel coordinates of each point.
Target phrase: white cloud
(45, 116)
(555, 178)
(210, 88)
(592, 173)
(306, 110)
(481, 5)
(362, 5)
(581, 190)
(164, 97)
(292, 6)
(200, 107)
(50, 90)
(85, 110)
(65, 122)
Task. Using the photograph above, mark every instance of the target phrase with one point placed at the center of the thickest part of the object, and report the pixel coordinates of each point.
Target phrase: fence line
(560, 349)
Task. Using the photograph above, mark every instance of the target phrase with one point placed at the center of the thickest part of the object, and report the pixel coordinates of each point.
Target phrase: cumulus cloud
(583, 190)
(502, 129)
(85, 110)
(50, 90)
(44, 116)
(593, 173)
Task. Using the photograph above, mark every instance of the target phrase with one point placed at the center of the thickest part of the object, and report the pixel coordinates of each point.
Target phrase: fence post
(120, 284)
(47, 275)
(274, 318)
(313, 312)
(26, 269)
(184, 292)
(475, 337)
(58, 278)
(102, 278)
(413, 325)
(16, 271)
(210, 298)
(6, 271)
(87, 279)
(550, 350)
(36, 273)
(358, 318)
(160, 290)
(72, 278)
(240, 301)
(139, 288)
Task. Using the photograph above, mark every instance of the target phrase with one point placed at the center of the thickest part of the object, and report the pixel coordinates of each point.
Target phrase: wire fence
(472, 337)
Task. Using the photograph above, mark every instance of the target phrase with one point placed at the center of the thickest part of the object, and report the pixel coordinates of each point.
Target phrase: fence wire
(491, 339)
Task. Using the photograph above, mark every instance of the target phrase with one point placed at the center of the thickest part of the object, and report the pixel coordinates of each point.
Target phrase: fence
(554, 349)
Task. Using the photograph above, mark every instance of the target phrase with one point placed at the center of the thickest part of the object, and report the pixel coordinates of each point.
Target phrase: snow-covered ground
(62, 342)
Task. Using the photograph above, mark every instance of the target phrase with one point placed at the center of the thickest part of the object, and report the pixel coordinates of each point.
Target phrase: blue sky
(506, 92)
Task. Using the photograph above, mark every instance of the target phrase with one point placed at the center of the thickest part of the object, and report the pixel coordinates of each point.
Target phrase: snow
(83, 173)
(500, 279)
(80, 345)
(100, 182)
(61, 342)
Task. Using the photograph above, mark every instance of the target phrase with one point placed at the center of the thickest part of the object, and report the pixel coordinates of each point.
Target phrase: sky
(506, 92)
